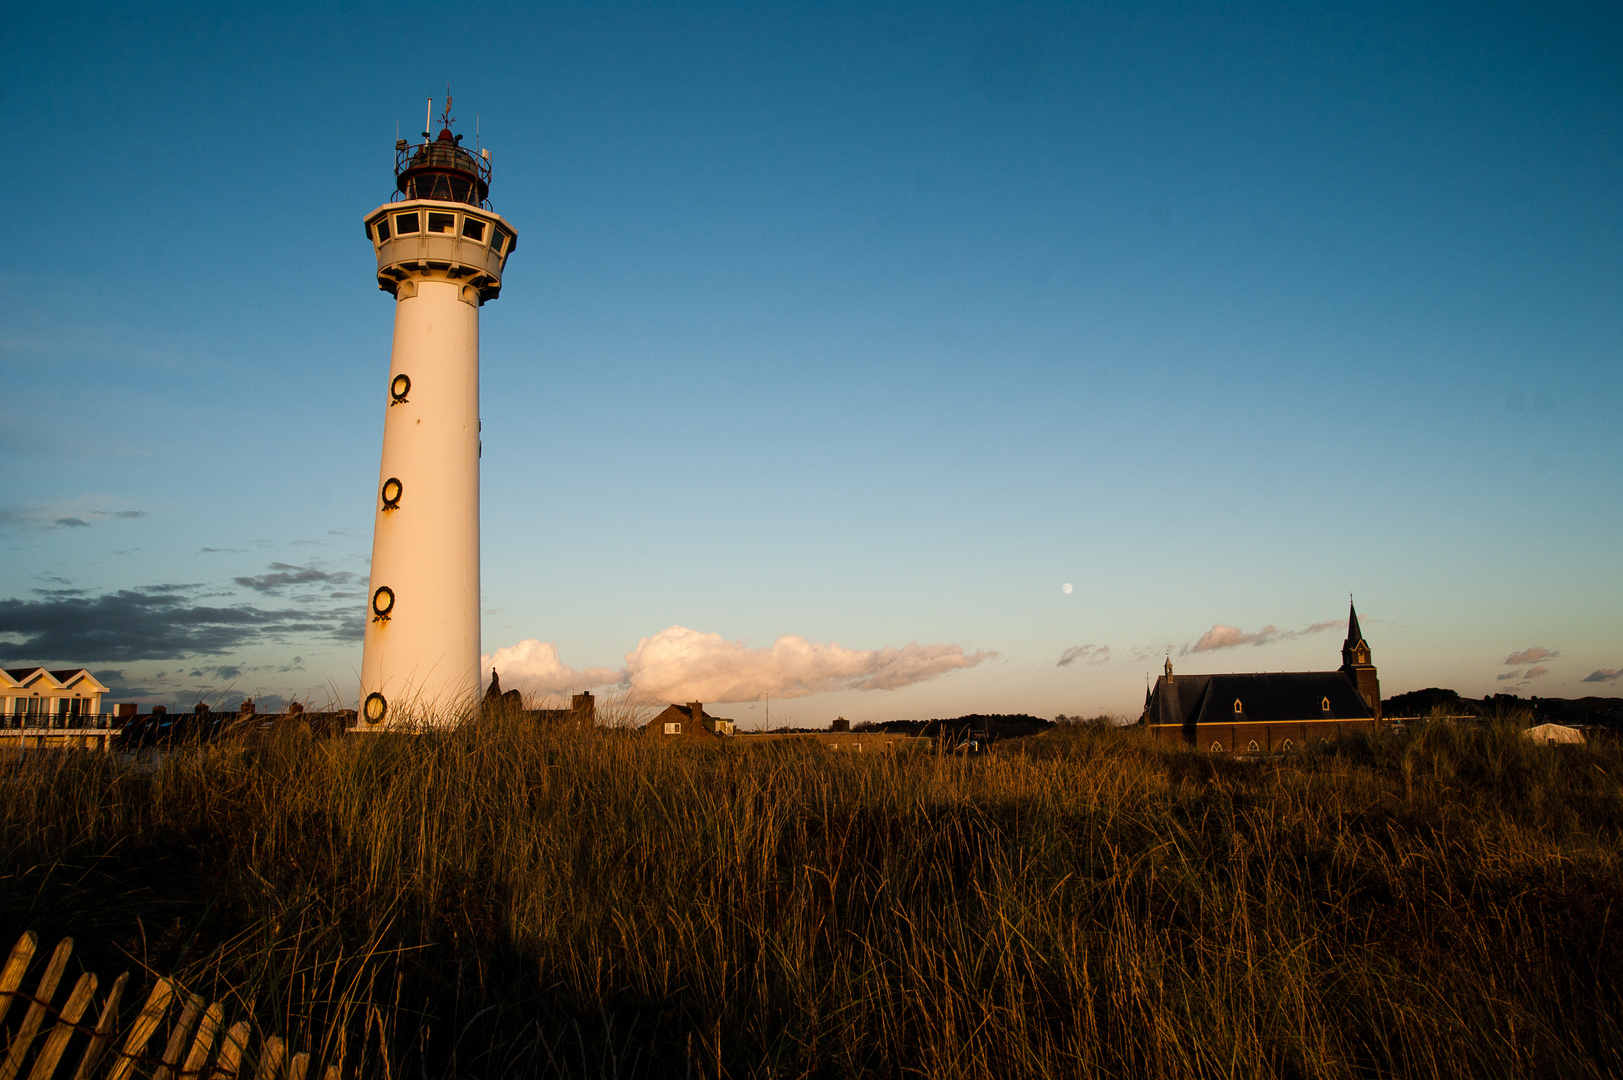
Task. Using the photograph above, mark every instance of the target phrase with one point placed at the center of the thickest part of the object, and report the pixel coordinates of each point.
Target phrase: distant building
(688, 721)
(582, 711)
(1268, 711)
(36, 697)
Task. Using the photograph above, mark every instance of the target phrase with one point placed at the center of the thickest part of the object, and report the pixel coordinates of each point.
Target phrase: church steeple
(1355, 662)
(1355, 650)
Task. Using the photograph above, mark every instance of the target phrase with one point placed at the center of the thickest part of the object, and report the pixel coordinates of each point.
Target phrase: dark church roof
(1263, 696)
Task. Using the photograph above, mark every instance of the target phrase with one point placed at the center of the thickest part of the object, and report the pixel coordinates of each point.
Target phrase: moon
(1066, 588)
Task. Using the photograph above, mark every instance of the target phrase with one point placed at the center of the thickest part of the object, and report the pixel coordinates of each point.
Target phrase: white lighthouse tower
(441, 251)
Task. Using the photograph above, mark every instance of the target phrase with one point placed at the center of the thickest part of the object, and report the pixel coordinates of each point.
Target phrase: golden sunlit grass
(504, 900)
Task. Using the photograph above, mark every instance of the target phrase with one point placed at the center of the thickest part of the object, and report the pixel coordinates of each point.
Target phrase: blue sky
(865, 325)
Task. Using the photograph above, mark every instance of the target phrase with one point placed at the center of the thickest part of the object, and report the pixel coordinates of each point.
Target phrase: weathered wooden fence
(195, 1047)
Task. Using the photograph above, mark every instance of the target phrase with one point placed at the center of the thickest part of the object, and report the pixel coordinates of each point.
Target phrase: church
(1268, 711)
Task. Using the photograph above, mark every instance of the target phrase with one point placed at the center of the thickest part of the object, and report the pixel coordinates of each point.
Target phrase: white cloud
(62, 516)
(1530, 656)
(1533, 673)
(678, 664)
(1093, 654)
(1227, 637)
(533, 667)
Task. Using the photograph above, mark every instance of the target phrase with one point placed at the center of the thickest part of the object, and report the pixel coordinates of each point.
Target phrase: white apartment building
(37, 697)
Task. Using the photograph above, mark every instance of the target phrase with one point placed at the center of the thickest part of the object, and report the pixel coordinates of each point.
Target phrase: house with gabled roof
(41, 697)
(1268, 711)
(688, 721)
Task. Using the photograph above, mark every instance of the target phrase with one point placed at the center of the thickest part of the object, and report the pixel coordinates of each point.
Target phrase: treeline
(1592, 711)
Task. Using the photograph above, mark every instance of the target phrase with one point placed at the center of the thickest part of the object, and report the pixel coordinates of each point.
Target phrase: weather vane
(446, 119)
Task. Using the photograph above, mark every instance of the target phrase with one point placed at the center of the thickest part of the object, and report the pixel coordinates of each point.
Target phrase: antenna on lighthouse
(428, 118)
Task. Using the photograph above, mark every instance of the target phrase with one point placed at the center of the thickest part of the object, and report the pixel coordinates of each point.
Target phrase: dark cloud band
(153, 623)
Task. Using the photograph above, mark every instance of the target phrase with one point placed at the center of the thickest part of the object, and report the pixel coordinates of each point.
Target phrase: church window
(1237, 707)
(1217, 748)
(1324, 744)
(1253, 747)
(1289, 746)
(1324, 704)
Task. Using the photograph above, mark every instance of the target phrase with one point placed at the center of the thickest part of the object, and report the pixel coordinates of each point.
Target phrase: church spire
(1356, 663)
(1354, 634)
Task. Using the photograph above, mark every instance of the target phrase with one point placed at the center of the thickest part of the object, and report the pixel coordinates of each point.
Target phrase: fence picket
(204, 1041)
(270, 1059)
(194, 1033)
(104, 1029)
(142, 1030)
(178, 1035)
(78, 1001)
(232, 1052)
(11, 976)
(36, 1012)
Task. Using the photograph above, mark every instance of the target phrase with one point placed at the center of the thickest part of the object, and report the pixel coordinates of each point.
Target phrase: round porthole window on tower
(382, 603)
(399, 388)
(374, 708)
(392, 491)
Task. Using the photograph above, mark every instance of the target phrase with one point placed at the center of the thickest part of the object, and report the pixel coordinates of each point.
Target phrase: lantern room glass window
(441, 223)
(383, 229)
(498, 239)
(473, 229)
(405, 223)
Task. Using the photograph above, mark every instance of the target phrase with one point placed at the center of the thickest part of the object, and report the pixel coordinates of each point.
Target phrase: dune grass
(503, 900)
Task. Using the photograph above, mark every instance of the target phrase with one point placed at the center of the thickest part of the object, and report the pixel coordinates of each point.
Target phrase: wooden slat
(231, 1062)
(232, 1052)
(270, 1059)
(178, 1035)
(145, 1024)
(78, 1001)
(11, 976)
(204, 1041)
(104, 1029)
(36, 1012)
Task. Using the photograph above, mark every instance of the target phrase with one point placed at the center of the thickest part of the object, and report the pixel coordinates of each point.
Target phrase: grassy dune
(505, 901)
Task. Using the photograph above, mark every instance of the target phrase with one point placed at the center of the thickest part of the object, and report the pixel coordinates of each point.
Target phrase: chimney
(697, 709)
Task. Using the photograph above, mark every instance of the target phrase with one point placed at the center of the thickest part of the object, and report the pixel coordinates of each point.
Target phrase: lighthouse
(441, 251)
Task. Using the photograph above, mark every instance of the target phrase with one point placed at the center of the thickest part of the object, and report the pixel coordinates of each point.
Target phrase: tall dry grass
(508, 901)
